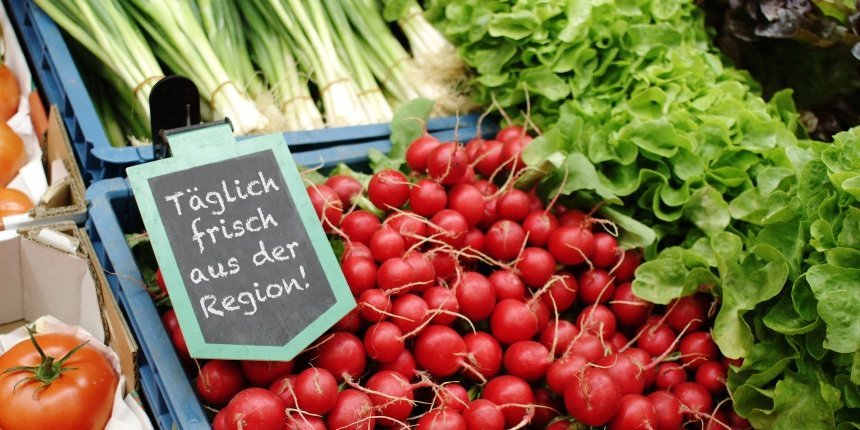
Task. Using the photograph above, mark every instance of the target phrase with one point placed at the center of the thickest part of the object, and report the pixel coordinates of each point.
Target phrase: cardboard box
(43, 279)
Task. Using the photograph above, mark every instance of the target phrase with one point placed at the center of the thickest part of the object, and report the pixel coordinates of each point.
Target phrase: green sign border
(213, 144)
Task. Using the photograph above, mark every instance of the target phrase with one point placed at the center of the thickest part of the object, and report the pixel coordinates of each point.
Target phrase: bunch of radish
(480, 306)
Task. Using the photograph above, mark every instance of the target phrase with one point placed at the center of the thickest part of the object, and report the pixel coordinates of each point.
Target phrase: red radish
(342, 353)
(489, 159)
(439, 298)
(360, 274)
(643, 361)
(690, 312)
(283, 387)
(419, 150)
(346, 187)
(563, 371)
(606, 250)
(635, 412)
(441, 419)
(512, 152)
(618, 341)
(411, 311)
(596, 286)
(504, 240)
(427, 197)
(668, 408)
(513, 320)
(669, 374)
(255, 408)
(444, 264)
(447, 163)
(392, 395)
(509, 133)
(573, 218)
(513, 205)
(395, 274)
(352, 411)
(629, 310)
(624, 270)
(542, 312)
(423, 272)
(303, 421)
(474, 147)
(404, 364)
(486, 187)
(169, 320)
(351, 322)
(469, 177)
(383, 341)
(717, 420)
(452, 396)
(483, 414)
(326, 204)
(656, 339)
(262, 373)
(535, 266)
(373, 305)
(450, 227)
(491, 215)
(439, 350)
(588, 346)
(562, 332)
(535, 203)
(386, 244)
(737, 420)
(355, 249)
(548, 406)
(220, 420)
(475, 296)
(593, 397)
(410, 226)
(388, 189)
(507, 285)
(483, 354)
(539, 225)
(597, 320)
(469, 201)
(316, 390)
(694, 397)
(698, 348)
(181, 347)
(712, 375)
(359, 225)
(571, 245)
(527, 359)
(474, 240)
(513, 395)
(627, 372)
(561, 293)
(219, 381)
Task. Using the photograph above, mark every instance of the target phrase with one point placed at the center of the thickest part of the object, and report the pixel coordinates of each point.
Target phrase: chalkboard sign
(247, 264)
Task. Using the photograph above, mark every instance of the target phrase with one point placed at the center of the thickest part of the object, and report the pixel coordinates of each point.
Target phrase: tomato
(13, 202)
(79, 394)
(12, 154)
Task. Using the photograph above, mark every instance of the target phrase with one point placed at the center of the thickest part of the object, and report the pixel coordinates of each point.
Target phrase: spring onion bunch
(429, 47)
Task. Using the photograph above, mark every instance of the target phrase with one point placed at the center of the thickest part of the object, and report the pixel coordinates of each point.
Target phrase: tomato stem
(48, 370)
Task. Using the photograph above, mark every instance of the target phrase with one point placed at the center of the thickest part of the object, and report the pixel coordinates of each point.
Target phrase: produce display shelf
(57, 74)
(114, 213)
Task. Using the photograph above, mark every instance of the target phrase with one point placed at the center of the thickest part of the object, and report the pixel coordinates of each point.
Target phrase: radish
(606, 250)
(669, 374)
(404, 364)
(535, 266)
(483, 354)
(573, 218)
(469, 177)
(410, 312)
(373, 305)
(626, 265)
(351, 322)
(656, 339)
(441, 419)
(444, 263)
(483, 414)
(440, 350)
(512, 152)
(510, 133)
(409, 225)
(255, 408)
(694, 397)
(507, 285)
(346, 187)
(513, 320)
(475, 295)
(383, 341)
(342, 353)
(439, 298)
(468, 201)
(392, 395)
(419, 150)
(571, 245)
(561, 332)
(283, 387)
(169, 320)
(491, 215)
(424, 275)
(668, 408)
(386, 244)
(473, 148)
(219, 381)
(220, 420)
(712, 375)
(618, 341)
(597, 320)
(629, 310)
(452, 396)
(359, 226)
(634, 413)
(327, 205)
(489, 159)
(315, 390)
(593, 397)
(562, 372)
(547, 407)
(689, 311)
(561, 293)
(262, 373)
(360, 274)
(427, 197)
(504, 240)
(181, 347)
(737, 421)
(395, 274)
(355, 249)
(450, 226)
(352, 411)
(474, 240)
(513, 205)
(596, 286)
(388, 189)
(486, 187)
(527, 359)
(447, 163)
(302, 421)
(539, 225)
(513, 395)
(698, 348)
(588, 346)
(628, 373)
(643, 361)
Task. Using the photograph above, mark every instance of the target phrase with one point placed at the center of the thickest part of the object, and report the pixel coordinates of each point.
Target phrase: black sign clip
(173, 103)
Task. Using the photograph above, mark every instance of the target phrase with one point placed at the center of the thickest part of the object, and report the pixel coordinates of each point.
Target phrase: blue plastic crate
(57, 74)
(113, 213)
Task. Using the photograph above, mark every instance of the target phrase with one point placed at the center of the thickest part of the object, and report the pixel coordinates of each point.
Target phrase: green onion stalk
(108, 33)
(317, 54)
(372, 99)
(180, 42)
(427, 44)
(271, 52)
